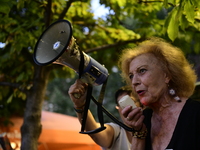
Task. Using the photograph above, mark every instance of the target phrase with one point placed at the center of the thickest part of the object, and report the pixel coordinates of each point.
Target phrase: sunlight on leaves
(189, 9)
(172, 29)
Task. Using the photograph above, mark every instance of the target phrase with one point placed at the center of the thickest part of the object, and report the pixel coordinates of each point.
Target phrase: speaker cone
(53, 42)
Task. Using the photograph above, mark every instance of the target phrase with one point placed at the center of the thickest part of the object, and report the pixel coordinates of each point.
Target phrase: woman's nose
(135, 80)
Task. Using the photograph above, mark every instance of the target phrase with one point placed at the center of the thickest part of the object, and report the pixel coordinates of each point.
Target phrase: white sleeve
(120, 140)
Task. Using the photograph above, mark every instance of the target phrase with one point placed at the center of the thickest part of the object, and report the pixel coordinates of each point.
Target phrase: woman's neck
(167, 105)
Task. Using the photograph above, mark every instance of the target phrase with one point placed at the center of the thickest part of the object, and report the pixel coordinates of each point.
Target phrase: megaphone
(57, 45)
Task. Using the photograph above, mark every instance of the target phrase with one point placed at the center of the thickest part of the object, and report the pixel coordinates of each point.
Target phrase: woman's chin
(144, 102)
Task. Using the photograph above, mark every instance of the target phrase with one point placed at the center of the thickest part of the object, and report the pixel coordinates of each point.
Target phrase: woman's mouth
(140, 92)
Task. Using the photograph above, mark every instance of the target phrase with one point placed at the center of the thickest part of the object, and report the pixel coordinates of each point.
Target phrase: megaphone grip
(81, 64)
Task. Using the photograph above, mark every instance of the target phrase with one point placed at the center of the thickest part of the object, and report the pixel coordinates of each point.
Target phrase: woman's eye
(130, 76)
(142, 70)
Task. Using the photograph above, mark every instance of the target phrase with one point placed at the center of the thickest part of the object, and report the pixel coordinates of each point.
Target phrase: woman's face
(148, 79)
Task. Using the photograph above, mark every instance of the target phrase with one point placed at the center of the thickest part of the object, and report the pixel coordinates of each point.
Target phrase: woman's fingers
(77, 95)
(78, 87)
(126, 111)
(77, 92)
(129, 112)
(134, 117)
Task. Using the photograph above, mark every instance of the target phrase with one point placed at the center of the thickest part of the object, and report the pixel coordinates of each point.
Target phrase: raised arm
(103, 138)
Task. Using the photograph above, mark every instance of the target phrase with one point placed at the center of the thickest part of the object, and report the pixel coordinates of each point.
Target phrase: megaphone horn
(57, 45)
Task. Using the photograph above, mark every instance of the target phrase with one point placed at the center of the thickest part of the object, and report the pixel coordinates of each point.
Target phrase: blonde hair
(172, 61)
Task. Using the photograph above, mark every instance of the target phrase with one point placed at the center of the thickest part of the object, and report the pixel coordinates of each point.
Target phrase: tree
(129, 22)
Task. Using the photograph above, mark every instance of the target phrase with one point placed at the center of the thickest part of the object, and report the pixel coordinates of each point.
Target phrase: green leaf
(173, 2)
(20, 77)
(9, 100)
(197, 48)
(121, 3)
(165, 3)
(166, 24)
(196, 3)
(189, 11)
(22, 95)
(172, 29)
(20, 4)
(5, 6)
(183, 22)
(197, 44)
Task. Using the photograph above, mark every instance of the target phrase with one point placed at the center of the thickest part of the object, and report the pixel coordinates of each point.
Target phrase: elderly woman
(113, 137)
(163, 79)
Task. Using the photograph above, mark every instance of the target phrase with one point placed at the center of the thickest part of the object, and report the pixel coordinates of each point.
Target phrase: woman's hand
(77, 93)
(133, 117)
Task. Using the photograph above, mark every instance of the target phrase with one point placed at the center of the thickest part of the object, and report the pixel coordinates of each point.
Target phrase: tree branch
(15, 86)
(48, 13)
(141, 1)
(103, 47)
(68, 4)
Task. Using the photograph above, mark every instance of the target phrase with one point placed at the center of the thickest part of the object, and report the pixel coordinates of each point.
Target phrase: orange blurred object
(60, 132)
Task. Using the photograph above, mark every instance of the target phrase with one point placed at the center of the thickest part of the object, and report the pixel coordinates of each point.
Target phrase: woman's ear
(167, 78)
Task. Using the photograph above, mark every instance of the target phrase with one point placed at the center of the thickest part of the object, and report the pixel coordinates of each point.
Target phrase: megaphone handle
(81, 65)
(100, 101)
(99, 111)
(87, 104)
